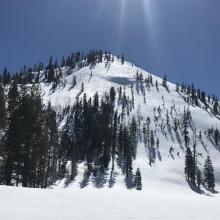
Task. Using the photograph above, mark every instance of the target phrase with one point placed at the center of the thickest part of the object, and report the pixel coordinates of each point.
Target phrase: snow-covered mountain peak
(163, 104)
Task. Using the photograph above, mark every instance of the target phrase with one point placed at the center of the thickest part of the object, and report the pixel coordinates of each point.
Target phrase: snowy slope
(165, 194)
(166, 169)
(108, 204)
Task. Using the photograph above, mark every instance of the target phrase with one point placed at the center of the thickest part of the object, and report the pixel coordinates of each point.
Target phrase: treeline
(52, 71)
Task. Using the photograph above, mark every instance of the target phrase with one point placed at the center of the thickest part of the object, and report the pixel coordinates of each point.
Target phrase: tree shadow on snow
(159, 155)
(195, 188)
(85, 180)
(179, 140)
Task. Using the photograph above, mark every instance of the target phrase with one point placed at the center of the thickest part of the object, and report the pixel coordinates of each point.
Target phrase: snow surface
(105, 204)
(165, 194)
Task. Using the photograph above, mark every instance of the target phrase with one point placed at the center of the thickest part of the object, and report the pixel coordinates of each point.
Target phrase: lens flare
(150, 24)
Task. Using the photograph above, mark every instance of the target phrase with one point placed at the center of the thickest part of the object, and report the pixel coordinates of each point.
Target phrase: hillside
(148, 124)
(167, 168)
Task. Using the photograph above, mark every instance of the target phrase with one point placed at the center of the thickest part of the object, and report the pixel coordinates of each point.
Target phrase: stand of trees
(34, 154)
(51, 72)
(29, 148)
(194, 175)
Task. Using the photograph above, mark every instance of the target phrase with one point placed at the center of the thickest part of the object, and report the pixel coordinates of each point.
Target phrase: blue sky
(178, 37)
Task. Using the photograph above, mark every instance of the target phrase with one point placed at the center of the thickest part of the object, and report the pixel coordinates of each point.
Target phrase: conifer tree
(50, 74)
(128, 159)
(208, 173)
(164, 82)
(216, 108)
(112, 95)
(152, 140)
(122, 59)
(189, 165)
(12, 135)
(156, 84)
(74, 81)
(216, 137)
(138, 182)
(185, 128)
(3, 115)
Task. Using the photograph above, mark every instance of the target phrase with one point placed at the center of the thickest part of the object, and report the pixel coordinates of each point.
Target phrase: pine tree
(189, 165)
(50, 74)
(96, 102)
(158, 143)
(74, 81)
(208, 173)
(3, 114)
(152, 140)
(6, 77)
(112, 95)
(164, 82)
(156, 84)
(216, 108)
(177, 87)
(148, 121)
(82, 87)
(216, 137)
(122, 59)
(128, 159)
(194, 162)
(12, 135)
(63, 62)
(138, 182)
(185, 128)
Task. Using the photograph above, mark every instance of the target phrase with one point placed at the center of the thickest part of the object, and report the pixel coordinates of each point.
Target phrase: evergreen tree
(128, 160)
(50, 74)
(189, 165)
(216, 137)
(152, 140)
(177, 87)
(82, 87)
(216, 108)
(112, 95)
(138, 182)
(208, 173)
(96, 102)
(6, 78)
(122, 59)
(3, 115)
(164, 82)
(156, 84)
(74, 81)
(158, 143)
(12, 135)
(185, 128)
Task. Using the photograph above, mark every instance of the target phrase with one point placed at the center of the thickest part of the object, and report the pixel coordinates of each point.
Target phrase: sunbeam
(150, 24)
(121, 20)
